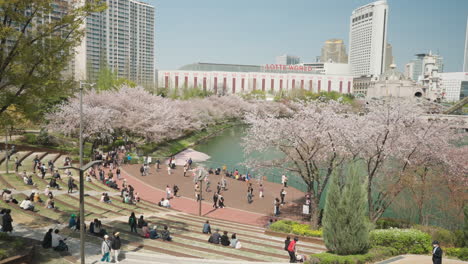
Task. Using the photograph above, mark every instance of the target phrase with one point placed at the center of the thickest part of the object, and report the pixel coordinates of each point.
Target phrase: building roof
(392, 74)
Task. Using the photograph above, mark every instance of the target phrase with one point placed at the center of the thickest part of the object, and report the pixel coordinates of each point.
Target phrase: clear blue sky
(255, 31)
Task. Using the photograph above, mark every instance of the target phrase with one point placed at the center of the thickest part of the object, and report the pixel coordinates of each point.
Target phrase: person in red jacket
(292, 250)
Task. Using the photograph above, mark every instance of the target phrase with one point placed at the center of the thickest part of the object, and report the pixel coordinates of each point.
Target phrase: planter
(315, 240)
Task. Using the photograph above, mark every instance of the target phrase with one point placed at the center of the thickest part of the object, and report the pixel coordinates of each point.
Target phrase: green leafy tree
(345, 224)
(35, 51)
(107, 80)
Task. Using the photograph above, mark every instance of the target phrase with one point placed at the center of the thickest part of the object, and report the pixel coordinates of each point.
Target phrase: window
(242, 84)
(254, 84)
(293, 84)
(319, 85)
(195, 82)
(341, 86)
(166, 82)
(281, 85)
(215, 88)
(302, 84)
(310, 85)
(233, 85)
(329, 86)
(177, 82)
(263, 85)
(224, 85)
(186, 81)
(272, 85)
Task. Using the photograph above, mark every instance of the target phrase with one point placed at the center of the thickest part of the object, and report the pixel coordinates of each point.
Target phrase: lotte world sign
(282, 67)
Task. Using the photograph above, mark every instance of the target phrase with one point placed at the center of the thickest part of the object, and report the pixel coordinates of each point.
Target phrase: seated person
(154, 233)
(165, 234)
(206, 228)
(8, 197)
(161, 202)
(105, 198)
(37, 198)
(56, 175)
(165, 203)
(145, 231)
(26, 204)
(53, 184)
(225, 239)
(127, 199)
(217, 171)
(235, 243)
(50, 204)
(88, 177)
(136, 198)
(210, 171)
(72, 222)
(58, 243)
(215, 237)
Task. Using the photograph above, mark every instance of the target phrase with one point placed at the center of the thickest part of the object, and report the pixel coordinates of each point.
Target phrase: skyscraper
(121, 38)
(334, 50)
(368, 38)
(287, 59)
(465, 62)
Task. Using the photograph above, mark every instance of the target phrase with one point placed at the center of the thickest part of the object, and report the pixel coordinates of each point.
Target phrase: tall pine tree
(345, 224)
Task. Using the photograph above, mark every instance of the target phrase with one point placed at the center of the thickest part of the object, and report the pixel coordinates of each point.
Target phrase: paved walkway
(418, 259)
(190, 206)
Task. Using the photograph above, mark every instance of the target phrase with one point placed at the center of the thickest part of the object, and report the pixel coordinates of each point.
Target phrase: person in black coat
(286, 243)
(225, 239)
(436, 253)
(7, 220)
(47, 241)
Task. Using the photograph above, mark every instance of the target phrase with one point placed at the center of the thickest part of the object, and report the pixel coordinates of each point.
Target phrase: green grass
(17, 182)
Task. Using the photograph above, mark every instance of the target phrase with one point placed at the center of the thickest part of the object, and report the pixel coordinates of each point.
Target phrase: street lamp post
(82, 169)
(201, 174)
(82, 214)
(6, 150)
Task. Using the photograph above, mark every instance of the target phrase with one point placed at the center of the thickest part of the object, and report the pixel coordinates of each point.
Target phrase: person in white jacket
(106, 249)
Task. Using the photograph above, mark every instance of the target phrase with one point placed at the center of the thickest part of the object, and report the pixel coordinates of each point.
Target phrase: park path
(190, 206)
(418, 259)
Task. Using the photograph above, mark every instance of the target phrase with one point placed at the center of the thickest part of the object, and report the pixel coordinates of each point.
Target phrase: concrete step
(143, 258)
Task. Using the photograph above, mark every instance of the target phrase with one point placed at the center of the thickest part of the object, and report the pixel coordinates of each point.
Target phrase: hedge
(375, 254)
(461, 253)
(386, 223)
(445, 237)
(403, 240)
(291, 227)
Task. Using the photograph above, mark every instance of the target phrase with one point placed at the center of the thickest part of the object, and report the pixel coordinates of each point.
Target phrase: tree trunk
(315, 214)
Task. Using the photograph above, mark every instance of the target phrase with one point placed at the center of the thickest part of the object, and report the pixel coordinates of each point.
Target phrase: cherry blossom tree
(311, 142)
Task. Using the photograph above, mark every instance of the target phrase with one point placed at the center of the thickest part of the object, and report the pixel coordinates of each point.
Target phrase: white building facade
(287, 59)
(455, 85)
(368, 39)
(221, 82)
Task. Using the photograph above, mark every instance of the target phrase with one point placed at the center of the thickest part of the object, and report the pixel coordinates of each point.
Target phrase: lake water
(226, 149)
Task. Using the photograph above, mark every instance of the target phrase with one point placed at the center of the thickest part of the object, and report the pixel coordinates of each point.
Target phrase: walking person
(7, 220)
(132, 222)
(260, 189)
(284, 180)
(169, 169)
(158, 163)
(215, 200)
(276, 209)
(220, 201)
(282, 195)
(436, 253)
(105, 249)
(115, 246)
(249, 195)
(118, 172)
(292, 250)
(197, 192)
(176, 189)
(17, 164)
(185, 171)
(70, 184)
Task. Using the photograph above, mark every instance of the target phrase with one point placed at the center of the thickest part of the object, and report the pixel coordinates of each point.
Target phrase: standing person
(35, 162)
(215, 200)
(51, 166)
(168, 192)
(168, 169)
(286, 242)
(189, 162)
(17, 164)
(220, 201)
(7, 220)
(158, 163)
(197, 192)
(260, 189)
(70, 184)
(132, 222)
(43, 170)
(292, 250)
(208, 183)
(105, 249)
(118, 172)
(185, 171)
(436, 253)
(142, 170)
(276, 206)
(218, 187)
(282, 195)
(223, 183)
(284, 180)
(249, 195)
(176, 189)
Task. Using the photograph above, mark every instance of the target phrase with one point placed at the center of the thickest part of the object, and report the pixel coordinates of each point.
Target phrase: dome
(392, 74)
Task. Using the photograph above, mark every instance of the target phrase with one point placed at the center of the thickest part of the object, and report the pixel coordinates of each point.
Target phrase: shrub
(463, 254)
(404, 240)
(30, 138)
(345, 224)
(3, 254)
(17, 244)
(460, 240)
(374, 254)
(291, 227)
(385, 223)
(280, 226)
(445, 237)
